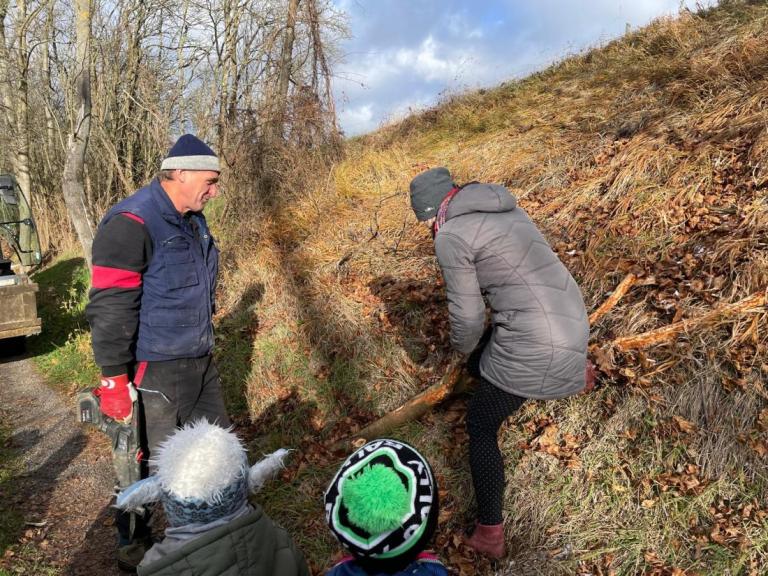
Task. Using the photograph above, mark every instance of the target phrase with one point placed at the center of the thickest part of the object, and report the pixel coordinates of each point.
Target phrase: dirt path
(63, 491)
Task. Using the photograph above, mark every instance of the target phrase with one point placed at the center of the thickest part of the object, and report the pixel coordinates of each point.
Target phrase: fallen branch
(613, 299)
(670, 332)
(454, 381)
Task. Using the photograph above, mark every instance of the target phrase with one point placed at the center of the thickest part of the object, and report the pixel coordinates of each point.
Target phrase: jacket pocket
(180, 269)
(181, 275)
(174, 317)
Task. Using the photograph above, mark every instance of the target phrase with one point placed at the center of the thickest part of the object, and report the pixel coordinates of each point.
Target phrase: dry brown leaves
(757, 437)
(657, 567)
(731, 523)
(547, 438)
(603, 566)
(687, 481)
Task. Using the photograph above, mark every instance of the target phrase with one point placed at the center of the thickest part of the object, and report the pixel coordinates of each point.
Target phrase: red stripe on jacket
(138, 219)
(140, 374)
(106, 277)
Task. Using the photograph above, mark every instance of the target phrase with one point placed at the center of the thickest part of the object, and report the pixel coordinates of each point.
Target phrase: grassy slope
(63, 350)
(648, 154)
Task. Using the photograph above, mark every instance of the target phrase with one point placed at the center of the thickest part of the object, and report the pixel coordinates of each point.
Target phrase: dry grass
(649, 154)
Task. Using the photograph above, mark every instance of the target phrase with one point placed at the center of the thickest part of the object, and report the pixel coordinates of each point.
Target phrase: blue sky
(404, 54)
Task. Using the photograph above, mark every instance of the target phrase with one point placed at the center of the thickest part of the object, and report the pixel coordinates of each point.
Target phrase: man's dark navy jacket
(153, 283)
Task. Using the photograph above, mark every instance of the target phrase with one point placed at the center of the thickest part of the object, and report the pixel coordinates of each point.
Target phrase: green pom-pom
(375, 499)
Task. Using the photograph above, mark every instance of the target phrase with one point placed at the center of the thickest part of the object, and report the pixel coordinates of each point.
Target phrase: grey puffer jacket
(489, 249)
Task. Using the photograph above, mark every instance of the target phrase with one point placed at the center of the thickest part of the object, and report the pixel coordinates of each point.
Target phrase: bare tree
(77, 145)
(284, 69)
(253, 76)
(14, 95)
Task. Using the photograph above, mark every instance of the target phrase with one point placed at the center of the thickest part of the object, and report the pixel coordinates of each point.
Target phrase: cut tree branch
(670, 332)
(613, 299)
(453, 382)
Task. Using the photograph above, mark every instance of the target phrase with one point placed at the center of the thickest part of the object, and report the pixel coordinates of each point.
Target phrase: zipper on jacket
(209, 284)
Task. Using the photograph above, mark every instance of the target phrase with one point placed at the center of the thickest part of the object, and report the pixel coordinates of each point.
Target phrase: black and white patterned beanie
(382, 505)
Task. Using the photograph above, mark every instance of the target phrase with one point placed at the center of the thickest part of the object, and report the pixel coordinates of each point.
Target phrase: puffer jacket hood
(476, 197)
(251, 544)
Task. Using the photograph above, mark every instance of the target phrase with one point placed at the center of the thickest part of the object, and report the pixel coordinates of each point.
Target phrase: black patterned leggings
(488, 409)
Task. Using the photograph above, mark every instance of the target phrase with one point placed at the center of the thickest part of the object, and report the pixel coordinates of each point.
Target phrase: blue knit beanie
(190, 153)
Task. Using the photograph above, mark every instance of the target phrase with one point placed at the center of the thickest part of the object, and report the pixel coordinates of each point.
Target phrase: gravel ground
(64, 488)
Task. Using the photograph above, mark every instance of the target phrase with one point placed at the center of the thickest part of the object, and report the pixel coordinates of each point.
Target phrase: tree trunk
(134, 58)
(324, 71)
(180, 57)
(284, 70)
(15, 102)
(77, 145)
(45, 77)
(228, 73)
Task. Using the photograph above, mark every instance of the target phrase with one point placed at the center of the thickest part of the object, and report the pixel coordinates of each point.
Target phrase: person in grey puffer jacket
(491, 252)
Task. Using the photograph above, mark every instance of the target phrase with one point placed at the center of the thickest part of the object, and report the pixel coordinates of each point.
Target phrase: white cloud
(432, 61)
(459, 25)
(358, 120)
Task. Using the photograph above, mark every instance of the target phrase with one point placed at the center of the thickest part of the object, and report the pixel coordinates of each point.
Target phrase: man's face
(196, 187)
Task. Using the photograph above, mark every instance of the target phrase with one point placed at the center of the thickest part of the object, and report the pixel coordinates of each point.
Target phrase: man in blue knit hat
(151, 305)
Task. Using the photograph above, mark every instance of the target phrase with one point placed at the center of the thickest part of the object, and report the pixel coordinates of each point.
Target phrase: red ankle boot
(488, 540)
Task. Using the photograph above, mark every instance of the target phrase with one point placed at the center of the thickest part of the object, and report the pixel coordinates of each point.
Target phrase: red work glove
(115, 396)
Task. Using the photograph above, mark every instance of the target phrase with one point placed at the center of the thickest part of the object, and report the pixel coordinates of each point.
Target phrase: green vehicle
(19, 255)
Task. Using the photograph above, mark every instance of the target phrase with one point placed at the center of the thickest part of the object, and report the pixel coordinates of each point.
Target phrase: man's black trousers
(172, 393)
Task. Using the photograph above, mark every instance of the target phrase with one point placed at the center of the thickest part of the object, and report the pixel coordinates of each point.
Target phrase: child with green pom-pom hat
(382, 506)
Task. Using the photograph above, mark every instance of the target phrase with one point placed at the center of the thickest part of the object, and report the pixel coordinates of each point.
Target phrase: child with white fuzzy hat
(202, 480)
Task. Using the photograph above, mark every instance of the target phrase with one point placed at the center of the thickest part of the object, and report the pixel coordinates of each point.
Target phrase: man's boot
(130, 555)
(134, 539)
(488, 540)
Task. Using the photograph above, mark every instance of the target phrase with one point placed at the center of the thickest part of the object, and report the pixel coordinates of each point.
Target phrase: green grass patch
(62, 351)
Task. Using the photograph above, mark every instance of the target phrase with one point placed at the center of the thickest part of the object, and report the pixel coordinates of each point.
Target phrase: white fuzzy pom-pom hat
(202, 475)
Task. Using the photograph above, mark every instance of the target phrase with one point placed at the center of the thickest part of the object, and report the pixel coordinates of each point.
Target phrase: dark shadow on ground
(335, 342)
(235, 336)
(25, 495)
(90, 559)
(294, 499)
(12, 351)
(286, 423)
(417, 311)
(11, 494)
